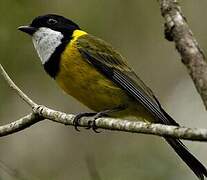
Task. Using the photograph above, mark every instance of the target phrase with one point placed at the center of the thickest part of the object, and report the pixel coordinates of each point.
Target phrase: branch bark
(19, 125)
(177, 30)
(41, 112)
(126, 125)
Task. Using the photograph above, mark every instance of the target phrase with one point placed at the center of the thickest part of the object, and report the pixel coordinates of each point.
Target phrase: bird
(96, 74)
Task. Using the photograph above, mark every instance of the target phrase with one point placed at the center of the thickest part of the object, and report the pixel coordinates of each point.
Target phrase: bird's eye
(52, 21)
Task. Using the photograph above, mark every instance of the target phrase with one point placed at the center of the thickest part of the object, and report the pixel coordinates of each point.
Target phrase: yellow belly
(81, 80)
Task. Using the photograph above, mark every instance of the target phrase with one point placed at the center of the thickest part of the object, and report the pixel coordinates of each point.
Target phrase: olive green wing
(109, 62)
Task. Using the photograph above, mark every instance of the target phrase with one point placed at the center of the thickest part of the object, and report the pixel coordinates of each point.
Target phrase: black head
(52, 21)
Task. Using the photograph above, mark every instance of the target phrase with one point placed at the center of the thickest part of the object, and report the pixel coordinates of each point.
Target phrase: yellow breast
(81, 80)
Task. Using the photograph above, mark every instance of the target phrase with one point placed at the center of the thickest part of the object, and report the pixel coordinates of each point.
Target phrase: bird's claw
(92, 123)
(76, 120)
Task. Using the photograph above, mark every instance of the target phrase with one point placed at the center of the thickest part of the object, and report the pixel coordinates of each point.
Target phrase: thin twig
(14, 87)
(177, 30)
(20, 124)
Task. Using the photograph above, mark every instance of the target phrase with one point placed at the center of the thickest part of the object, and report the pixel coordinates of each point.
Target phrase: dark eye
(52, 21)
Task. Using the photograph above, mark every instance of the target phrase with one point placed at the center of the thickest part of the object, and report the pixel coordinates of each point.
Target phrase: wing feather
(109, 62)
(106, 60)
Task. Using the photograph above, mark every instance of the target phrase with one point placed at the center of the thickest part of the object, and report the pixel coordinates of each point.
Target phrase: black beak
(28, 29)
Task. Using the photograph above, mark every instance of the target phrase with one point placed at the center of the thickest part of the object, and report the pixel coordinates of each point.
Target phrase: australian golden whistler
(93, 72)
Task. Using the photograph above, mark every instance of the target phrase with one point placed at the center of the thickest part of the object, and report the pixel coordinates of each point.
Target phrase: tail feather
(193, 163)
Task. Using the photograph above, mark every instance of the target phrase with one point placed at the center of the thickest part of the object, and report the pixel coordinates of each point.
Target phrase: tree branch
(126, 125)
(15, 88)
(19, 125)
(193, 58)
(193, 134)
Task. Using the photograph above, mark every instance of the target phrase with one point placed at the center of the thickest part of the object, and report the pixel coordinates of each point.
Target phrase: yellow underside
(81, 80)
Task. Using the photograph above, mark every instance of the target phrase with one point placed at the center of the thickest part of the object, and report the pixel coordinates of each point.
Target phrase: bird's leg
(95, 115)
(76, 120)
(104, 113)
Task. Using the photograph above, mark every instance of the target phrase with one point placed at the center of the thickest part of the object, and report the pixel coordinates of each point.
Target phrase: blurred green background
(51, 151)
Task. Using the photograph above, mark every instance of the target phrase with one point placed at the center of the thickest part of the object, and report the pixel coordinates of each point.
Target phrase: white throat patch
(45, 41)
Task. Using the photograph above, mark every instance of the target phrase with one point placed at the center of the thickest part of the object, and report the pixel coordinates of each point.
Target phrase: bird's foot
(92, 123)
(76, 120)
